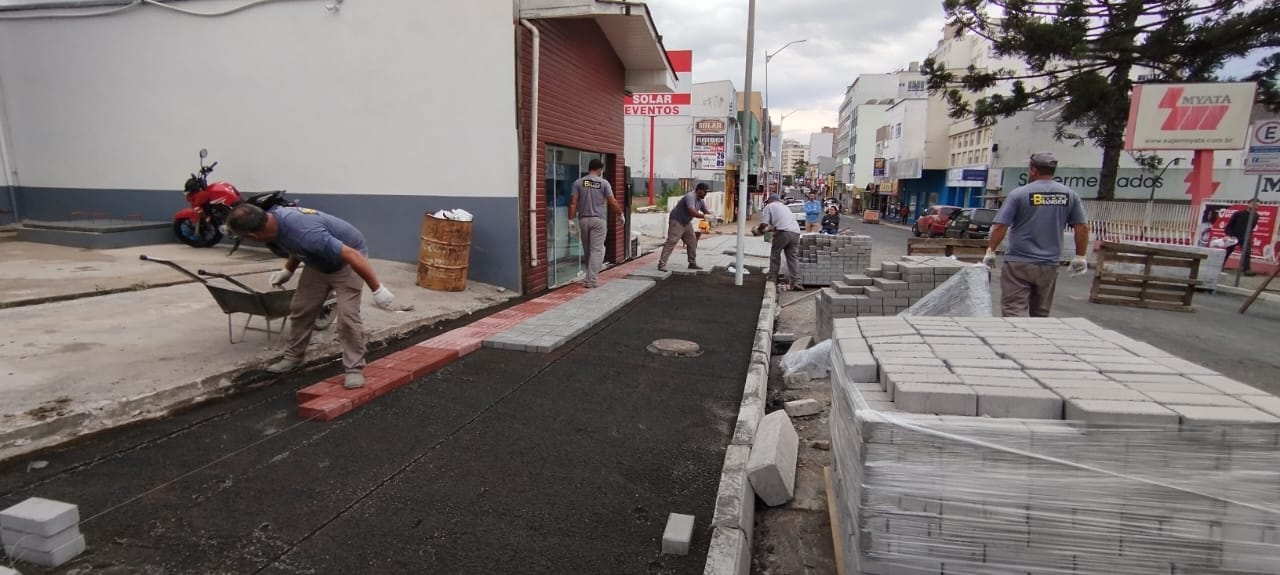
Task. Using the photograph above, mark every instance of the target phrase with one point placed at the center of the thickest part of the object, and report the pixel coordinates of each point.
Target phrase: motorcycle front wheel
(209, 235)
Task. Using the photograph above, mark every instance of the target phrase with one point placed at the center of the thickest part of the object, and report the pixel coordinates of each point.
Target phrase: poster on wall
(709, 144)
(1214, 222)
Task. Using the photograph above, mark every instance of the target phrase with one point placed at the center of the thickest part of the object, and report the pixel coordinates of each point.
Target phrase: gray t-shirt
(780, 217)
(1037, 214)
(316, 237)
(593, 193)
(683, 212)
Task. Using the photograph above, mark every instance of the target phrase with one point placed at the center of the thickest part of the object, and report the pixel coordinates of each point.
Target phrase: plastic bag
(459, 214)
(966, 294)
(816, 361)
(1223, 242)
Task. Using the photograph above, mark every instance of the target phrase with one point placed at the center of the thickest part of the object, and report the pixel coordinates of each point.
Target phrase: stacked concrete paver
(886, 290)
(826, 258)
(42, 531)
(1162, 466)
(552, 329)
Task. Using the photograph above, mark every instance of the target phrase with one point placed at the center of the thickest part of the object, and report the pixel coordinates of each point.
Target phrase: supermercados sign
(1189, 116)
(1136, 184)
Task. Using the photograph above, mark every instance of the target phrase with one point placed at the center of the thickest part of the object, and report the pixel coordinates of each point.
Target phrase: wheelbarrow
(271, 305)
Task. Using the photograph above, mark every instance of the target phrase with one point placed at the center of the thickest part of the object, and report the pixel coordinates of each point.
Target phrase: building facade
(106, 114)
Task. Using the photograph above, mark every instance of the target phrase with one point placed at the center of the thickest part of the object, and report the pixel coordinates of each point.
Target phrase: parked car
(798, 210)
(971, 223)
(934, 221)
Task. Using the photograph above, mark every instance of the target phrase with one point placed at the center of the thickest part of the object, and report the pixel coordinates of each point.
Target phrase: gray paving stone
(983, 363)
(984, 372)
(729, 553)
(1132, 368)
(40, 516)
(1018, 402)
(1149, 387)
(803, 407)
(941, 399)
(1022, 382)
(1042, 374)
(1206, 415)
(1267, 403)
(1227, 385)
(1215, 399)
(1118, 393)
(51, 558)
(1149, 378)
(678, 534)
(1039, 364)
(1121, 412)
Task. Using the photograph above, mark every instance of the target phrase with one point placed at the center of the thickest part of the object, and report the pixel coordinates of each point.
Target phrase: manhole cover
(675, 348)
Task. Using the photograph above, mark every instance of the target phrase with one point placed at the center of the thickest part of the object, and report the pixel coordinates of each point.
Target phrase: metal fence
(1144, 222)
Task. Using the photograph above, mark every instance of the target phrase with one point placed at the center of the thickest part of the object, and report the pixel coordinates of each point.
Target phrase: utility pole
(746, 152)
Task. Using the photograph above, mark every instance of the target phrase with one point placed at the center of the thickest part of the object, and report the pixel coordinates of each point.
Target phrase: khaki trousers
(1026, 287)
(788, 244)
(592, 231)
(308, 302)
(676, 232)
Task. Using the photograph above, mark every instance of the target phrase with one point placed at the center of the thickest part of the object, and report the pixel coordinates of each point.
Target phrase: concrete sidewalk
(82, 365)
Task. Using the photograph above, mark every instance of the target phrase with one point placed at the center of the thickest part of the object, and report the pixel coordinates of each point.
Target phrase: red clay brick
(379, 381)
(324, 408)
(314, 391)
(432, 358)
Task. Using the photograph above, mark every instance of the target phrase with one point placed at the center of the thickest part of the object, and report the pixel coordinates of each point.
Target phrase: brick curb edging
(328, 400)
(734, 518)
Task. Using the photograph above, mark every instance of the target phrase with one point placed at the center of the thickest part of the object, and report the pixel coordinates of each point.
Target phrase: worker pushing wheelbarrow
(270, 305)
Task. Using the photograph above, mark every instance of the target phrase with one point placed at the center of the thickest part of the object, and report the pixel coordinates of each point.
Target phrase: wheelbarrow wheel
(327, 314)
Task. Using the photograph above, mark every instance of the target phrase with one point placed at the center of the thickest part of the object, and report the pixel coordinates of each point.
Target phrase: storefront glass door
(565, 259)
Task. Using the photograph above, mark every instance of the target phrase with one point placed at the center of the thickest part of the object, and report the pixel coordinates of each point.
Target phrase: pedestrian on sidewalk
(1034, 217)
(592, 202)
(680, 226)
(1238, 228)
(812, 212)
(336, 259)
(831, 221)
(786, 240)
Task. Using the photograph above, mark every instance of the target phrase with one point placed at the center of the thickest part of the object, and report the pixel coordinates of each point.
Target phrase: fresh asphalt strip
(503, 462)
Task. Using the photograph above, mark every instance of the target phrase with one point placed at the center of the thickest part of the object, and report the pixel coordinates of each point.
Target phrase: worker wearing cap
(786, 239)
(591, 203)
(680, 226)
(1033, 217)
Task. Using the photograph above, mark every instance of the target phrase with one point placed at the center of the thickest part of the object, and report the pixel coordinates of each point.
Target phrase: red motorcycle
(201, 225)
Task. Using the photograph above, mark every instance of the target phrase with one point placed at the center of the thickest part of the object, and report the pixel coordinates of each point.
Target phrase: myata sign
(1189, 116)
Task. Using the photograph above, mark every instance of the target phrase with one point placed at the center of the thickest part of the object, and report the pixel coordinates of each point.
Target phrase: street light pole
(769, 137)
(742, 188)
(781, 144)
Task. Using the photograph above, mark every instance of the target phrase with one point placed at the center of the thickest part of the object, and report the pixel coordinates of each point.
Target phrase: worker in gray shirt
(591, 202)
(680, 226)
(1033, 217)
(786, 240)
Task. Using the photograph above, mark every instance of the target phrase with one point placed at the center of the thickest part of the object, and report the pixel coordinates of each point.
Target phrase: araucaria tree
(1083, 55)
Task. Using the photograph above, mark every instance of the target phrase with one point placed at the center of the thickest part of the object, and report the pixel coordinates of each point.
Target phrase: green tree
(800, 168)
(1081, 56)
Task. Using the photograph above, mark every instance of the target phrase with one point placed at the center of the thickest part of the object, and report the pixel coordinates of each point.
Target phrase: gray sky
(844, 39)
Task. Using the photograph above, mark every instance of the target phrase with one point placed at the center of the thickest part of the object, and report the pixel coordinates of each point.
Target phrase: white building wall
(870, 117)
(366, 100)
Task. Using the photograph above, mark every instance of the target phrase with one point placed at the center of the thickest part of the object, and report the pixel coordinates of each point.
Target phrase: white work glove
(573, 227)
(383, 298)
(990, 259)
(1079, 265)
(281, 277)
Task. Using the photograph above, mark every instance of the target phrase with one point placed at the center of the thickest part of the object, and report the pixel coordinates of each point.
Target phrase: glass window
(565, 260)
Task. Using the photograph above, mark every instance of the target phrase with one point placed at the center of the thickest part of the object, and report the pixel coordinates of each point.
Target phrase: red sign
(1262, 234)
(657, 104)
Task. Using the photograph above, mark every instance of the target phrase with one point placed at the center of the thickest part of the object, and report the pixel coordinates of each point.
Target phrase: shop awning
(630, 29)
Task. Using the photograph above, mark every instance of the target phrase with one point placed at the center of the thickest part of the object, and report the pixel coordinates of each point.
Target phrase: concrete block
(983, 363)
(772, 464)
(1207, 415)
(1121, 412)
(983, 372)
(1154, 378)
(1227, 385)
(802, 407)
(941, 399)
(1267, 403)
(1131, 367)
(39, 516)
(26, 541)
(1042, 374)
(735, 501)
(749, 415)
(1018, 382)
(678, 534)
(729, 554)
(52, 558)
(1149, 387)
(862, 368)
(7, 571)
(1185, 367)
(1023, 403)
(1039, 364)
(1209, 399)
(1116, 393)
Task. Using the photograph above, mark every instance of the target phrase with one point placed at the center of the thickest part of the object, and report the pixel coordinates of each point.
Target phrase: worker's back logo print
(1050, 199)
(591, 184)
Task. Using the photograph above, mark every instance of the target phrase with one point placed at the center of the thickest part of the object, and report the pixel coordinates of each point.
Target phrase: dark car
(971, 223)
(934, 221)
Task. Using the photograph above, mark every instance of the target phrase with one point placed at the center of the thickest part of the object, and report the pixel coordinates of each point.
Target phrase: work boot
(695, 267)
(283, 366)
(662, 267)
(353, 380)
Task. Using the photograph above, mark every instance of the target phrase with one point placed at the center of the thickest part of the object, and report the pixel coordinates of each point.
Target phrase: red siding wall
(580, 106)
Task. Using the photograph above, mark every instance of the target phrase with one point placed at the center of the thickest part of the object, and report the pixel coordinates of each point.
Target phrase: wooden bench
(1149, 288)
(970, 251)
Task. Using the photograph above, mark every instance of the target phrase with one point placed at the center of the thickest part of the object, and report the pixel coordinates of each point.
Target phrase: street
(503, 462)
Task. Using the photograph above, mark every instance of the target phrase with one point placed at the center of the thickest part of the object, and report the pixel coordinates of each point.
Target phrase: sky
(842, 39)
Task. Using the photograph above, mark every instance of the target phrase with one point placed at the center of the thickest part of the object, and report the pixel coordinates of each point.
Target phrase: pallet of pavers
(1045, 446)
(826, 258)
(887, 289)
